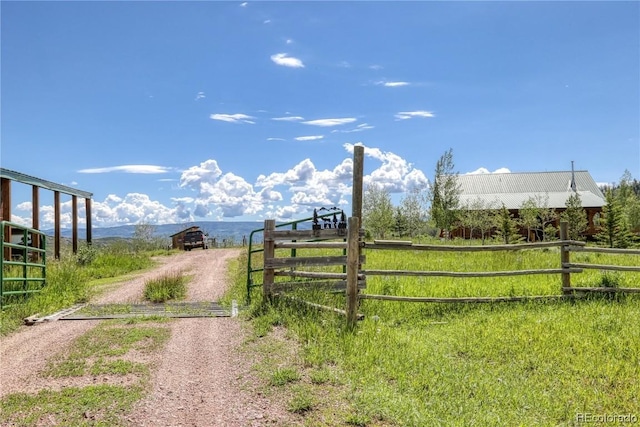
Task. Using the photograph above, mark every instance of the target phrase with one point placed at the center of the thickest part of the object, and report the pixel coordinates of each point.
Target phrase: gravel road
(199, 379)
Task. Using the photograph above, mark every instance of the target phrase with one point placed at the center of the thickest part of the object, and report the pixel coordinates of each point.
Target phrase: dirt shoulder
(199, 378)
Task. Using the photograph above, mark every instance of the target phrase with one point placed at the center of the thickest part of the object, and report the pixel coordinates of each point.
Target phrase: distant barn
(513, 189)
(177, 240)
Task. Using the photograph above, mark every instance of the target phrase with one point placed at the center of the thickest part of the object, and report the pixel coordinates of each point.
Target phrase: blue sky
(170, 112)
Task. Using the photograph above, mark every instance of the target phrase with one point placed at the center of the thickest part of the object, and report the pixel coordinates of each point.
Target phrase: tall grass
(68, 281)
(531, 363)
(168, 287)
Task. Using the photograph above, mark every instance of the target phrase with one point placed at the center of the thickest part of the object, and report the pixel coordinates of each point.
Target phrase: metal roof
(513, 189)
(42, 183)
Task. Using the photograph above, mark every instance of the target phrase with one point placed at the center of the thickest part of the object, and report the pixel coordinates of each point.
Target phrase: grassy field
(553, 363)
(414, 364)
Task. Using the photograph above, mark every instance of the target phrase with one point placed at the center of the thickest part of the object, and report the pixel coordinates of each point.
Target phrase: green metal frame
(294, 226)
(28, 261)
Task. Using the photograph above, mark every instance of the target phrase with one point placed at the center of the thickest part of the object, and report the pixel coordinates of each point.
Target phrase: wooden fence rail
(353, 278)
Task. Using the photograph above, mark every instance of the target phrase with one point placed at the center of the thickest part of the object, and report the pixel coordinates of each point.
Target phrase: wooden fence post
(358, 173)
(353, 261)
(565, 258)
(268, 273)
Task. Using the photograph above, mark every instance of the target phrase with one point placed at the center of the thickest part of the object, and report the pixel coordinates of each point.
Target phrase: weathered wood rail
(566, 268)
(350, 280)
(353, 278)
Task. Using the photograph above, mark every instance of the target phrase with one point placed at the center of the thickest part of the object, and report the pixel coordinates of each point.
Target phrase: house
(513, 189)
(177, 239)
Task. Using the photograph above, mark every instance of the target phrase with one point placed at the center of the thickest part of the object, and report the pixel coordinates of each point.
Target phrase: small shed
(177, 240)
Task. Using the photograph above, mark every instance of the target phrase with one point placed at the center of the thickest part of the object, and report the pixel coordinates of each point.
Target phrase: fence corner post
(353, 261)
(269, 253)
(564, 258)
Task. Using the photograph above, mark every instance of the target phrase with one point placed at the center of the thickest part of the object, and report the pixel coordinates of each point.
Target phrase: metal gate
(23, 269)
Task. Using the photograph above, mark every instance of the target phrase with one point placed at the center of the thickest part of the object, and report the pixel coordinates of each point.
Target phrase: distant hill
(218, 229)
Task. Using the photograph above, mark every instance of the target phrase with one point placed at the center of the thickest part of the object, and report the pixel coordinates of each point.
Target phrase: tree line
(437, 211)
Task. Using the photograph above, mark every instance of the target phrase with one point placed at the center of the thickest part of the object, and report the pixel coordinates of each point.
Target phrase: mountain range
(214, 229)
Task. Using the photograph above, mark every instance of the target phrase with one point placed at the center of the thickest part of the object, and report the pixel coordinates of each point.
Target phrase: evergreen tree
(629, 200)
(575, 216)
(445, 193)
(506, 226)
(613, 231)
(400, 220)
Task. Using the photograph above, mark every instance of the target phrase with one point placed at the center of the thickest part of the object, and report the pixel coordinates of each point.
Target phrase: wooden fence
(350, 279)
(353, 279)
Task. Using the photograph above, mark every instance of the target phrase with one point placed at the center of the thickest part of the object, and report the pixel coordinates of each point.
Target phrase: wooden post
(353, 260)
(358, 172)
(268, 274)
(87, 208)
(74, 224)
(35, 216)
(5, 211)
(564, 257)
(56, 224)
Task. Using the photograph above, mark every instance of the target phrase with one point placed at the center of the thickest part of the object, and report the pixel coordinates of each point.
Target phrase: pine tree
(613, 231)
(506, 226)
(445, 193)
(575, 216)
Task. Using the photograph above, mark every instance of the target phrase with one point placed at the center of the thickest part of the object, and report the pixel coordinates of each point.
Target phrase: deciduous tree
(377, 211)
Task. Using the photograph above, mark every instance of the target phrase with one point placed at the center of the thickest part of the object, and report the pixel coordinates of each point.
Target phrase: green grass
(97, 405)
(70, 280)
(171, 286)
(101, 351)
(415, 364)
(282, 376)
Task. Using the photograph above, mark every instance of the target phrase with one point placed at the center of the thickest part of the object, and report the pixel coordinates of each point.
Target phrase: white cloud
(376, 67)
(395, 174)
(330, 122)
(244, 4)
(233, 118)
(361, 127)
(404, 115)
(142, 169)
(289, 41)
(396, 84)
(207, 171)
(228, 194)
(207, 192)
(483, 170)
(392, 84)
(200, 95)
(309, 138)
(287, 61)
(288, 118)
(266, 21)
(276, 139)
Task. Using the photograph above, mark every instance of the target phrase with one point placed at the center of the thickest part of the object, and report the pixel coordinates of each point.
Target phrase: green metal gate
(23, 259)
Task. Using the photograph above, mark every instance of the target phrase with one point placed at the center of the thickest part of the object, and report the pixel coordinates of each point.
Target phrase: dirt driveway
(200, 378)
